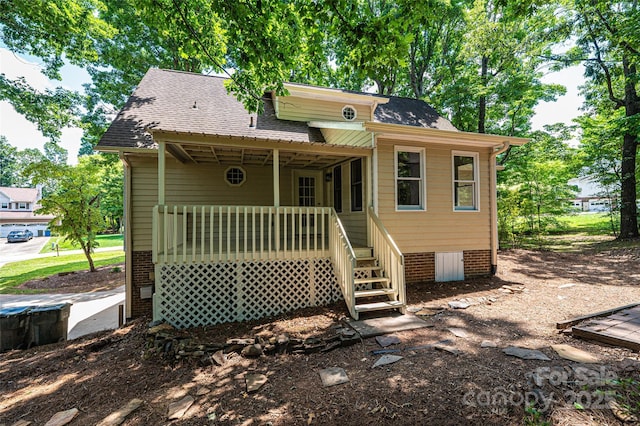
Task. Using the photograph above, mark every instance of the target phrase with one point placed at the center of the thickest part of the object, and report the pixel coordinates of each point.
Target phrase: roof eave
(328, 94)
(455, 136)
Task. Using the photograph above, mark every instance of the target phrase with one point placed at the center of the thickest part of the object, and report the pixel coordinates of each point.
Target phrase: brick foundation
(477, 263)
(419, 267)
(142, 266)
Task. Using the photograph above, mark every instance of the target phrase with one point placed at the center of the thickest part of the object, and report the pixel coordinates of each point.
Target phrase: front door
(307, 188)
(307, 192)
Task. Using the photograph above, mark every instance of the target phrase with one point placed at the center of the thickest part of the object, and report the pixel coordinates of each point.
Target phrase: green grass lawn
(590, 224)
(16, 273)
(111, 240)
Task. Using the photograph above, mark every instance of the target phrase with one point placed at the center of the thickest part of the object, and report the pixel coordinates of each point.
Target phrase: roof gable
(17, 195)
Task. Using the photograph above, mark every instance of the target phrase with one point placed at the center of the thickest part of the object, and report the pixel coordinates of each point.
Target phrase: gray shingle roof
(164, 100)
(411, 112)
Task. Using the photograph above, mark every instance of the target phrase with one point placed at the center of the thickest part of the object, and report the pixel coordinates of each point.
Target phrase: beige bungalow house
(325, 195)
(17, 211)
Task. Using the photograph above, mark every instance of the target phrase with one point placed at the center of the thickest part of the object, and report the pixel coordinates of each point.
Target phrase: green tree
(24, 159)
(608, 43)
(504, 50)
(535, 183)
(75, 204)
(7, 162)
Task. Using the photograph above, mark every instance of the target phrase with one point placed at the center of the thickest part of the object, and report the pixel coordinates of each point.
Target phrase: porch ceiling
(225, 155)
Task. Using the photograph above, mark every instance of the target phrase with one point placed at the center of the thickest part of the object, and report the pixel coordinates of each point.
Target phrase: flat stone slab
(429, 311)
(458, 332)
(574, 354)
(526, 353)
(488, 344)
(62, 418)
(385, 341)
(178, 408)
(457, 304)
(447, 348)
(333, 376)
(254, 382)
(387, 325)
(386, 360)
(119, 416)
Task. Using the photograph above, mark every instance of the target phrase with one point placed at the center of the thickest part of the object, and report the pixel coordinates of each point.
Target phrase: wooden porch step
(374, 292)
(370, 268)
(363, 251)
(378, 306)
(366, 259)
(372, 280)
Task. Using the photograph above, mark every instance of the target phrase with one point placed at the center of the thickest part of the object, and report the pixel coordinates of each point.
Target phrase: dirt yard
(480, 385)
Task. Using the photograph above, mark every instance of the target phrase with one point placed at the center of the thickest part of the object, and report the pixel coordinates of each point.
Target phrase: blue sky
(23, 134)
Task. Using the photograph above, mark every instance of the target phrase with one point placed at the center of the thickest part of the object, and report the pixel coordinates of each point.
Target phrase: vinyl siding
(438, 229)
(347, 137)
(355, 223)
(299, 109)
(196, 184)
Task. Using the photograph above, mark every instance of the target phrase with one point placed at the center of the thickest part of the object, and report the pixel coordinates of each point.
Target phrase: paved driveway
(90, 312)
(11, 252)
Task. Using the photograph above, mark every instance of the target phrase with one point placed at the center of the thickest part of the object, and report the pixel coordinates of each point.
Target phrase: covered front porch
(217, 262)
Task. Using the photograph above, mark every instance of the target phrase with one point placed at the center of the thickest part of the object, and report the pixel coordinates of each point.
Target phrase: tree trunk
(628, 208)
(87, 253)
(482, 101)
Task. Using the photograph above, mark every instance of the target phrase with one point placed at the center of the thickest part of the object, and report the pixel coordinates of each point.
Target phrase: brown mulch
(100, 373)
(104, 278)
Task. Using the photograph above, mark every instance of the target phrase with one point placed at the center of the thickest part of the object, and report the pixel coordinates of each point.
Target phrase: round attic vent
(349, 113)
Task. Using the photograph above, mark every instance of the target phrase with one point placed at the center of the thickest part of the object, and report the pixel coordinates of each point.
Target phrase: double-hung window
(465, 181)
(356, 185)
(410, 178)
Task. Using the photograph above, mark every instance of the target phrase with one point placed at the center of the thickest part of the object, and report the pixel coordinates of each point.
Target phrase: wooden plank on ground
(568, 323)
(605, 338)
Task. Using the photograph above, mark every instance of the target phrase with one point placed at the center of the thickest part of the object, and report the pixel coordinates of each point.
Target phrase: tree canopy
(478, 62)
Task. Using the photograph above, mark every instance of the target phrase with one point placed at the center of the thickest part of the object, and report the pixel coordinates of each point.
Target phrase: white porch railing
(389, 255)
(197, 233)
(344, 260)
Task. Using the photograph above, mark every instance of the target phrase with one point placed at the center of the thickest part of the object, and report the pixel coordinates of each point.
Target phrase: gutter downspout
(493, 212)
(127, 235)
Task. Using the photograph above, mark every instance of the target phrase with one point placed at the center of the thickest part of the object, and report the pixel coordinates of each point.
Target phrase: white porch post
(276, 197)
(276, 177)
(161, 171)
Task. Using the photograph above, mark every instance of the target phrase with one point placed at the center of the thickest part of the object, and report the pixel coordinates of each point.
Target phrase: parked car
(16, 236)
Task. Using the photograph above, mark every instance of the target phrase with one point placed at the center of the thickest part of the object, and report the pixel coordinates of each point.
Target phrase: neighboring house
(326, 195)
(17, 206)
(591, 196)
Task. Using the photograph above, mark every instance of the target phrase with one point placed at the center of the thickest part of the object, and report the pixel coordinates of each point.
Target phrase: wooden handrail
(344, 260)
(385, 234)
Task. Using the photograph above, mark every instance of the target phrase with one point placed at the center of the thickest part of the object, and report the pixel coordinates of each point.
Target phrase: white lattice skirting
(196, 294)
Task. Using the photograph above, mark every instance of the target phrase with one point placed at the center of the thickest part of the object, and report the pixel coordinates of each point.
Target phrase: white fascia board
(422, 134)
(357, 125)
(328, 94)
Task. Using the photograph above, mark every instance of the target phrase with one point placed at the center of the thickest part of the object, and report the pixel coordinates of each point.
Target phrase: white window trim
(423, 178)
(4, 206)
(23, 206)
(476, 180)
